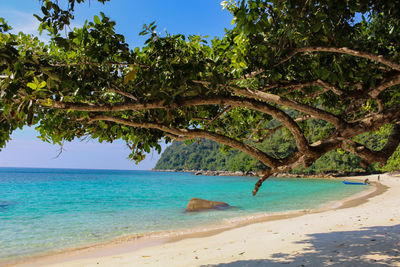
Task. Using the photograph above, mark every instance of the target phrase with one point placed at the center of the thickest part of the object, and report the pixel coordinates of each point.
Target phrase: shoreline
(329, 175)
(133, 243)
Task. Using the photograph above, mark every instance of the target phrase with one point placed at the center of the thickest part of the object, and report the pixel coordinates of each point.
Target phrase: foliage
(284, 67)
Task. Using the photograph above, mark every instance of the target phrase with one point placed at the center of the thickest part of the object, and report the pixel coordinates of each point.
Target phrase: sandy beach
(364, 231)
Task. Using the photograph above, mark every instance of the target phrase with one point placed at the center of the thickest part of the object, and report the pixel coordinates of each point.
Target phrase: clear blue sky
(203, 17)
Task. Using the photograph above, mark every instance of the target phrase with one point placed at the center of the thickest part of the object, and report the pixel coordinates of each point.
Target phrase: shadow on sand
(372, 246)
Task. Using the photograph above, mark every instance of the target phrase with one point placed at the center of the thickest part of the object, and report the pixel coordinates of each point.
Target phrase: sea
(45, 211)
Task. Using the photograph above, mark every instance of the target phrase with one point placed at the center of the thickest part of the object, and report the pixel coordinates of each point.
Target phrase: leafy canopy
(283, 63)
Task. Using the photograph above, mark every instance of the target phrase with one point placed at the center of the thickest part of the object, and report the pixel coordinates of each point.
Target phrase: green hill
(207, 155)
(204, 155)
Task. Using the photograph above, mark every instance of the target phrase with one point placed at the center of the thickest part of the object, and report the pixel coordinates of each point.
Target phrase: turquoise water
(48, 210)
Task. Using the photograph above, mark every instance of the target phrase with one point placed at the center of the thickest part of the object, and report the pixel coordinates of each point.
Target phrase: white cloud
(21, 21)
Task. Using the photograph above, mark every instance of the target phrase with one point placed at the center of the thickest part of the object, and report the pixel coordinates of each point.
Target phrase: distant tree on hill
(283, 64)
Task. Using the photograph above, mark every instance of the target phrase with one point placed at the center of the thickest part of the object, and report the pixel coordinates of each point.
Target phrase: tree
(284, 63)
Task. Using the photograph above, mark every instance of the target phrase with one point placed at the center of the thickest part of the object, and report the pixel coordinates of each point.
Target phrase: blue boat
(356, 183)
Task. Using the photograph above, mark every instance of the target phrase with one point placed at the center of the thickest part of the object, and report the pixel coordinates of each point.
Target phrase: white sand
(364, 235)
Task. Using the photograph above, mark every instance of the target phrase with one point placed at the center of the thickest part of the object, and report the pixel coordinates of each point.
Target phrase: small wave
(5, 205)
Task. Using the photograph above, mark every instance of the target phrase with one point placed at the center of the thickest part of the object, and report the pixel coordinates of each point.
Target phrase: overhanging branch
(233, 101)
(317, 113)
(342, 50)
(194, 133)
(126, 94)
(372, 122)
(277, 128)
(386, 83)
(371, 156)
(226, 109)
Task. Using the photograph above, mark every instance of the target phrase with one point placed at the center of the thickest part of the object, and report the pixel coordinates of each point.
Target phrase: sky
(188, 17)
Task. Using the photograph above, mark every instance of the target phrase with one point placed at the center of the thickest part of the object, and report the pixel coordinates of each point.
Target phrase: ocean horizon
(44, 211)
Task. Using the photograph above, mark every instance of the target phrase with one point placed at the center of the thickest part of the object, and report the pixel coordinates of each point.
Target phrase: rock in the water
(197, 204)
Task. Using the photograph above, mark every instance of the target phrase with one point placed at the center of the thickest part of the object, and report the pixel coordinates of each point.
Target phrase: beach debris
(197, 204)
(196, 258)
(241, 253)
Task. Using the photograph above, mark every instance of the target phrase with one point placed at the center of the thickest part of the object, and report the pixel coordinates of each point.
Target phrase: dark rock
(197, 204)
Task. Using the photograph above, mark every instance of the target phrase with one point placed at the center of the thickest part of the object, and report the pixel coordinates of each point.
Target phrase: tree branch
(273, 130)
(196, 101)
(392, 142)
(317, 113)
(386, 83)
(193, 133)
(226, 109)
(371, 156)
(263, 176)
(331, 87)
(372, 122)
(341, 50)
(126, 94)
(86, 63)
(178, 138)
(200, 119)
(300, 85)
(306, 155)
(255, 130)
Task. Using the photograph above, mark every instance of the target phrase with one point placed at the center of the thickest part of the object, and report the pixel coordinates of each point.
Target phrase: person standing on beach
(379, 178)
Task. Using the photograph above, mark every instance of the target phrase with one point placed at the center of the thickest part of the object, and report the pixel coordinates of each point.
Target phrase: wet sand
(262, 240)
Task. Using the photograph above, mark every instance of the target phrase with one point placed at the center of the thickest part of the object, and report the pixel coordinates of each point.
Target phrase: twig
(86, 63)
(226, 109)
(273, 130)
(341, 50)
(255, 130)
(126, 94)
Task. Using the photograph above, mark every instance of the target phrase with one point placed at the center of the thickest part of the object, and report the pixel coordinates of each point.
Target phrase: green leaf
(32, 86)
(224, 4)
(42, 84)
(96, 19)
(130, 76)
(316, 27)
